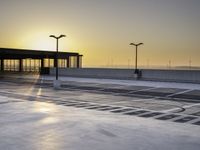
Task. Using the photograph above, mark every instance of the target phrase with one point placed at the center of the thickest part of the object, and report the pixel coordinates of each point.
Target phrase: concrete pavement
(89, 114)
(34, 125)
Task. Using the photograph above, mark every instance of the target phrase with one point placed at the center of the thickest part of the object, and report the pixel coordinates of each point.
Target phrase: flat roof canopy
(10, 53)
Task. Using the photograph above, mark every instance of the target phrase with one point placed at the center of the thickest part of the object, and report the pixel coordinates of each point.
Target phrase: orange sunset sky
(101, 30)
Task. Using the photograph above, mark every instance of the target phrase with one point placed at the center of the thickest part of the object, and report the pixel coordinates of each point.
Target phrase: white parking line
(193, 105)
(148, 89)
(180, 108)
(182, 92)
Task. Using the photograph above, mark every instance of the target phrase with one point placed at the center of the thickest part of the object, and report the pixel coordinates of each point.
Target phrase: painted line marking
(148, 89)
(181, 107)
(178, 93)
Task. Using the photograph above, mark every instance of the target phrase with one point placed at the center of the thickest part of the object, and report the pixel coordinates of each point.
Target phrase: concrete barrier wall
(172, 75)
(96, 73)
(192, 76)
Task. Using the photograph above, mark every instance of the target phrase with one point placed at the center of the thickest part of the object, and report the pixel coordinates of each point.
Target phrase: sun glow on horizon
(42, 41)
(102, 30)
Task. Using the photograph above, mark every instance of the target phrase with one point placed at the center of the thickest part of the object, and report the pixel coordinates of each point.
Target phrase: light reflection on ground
(50, 120)
(44, 108)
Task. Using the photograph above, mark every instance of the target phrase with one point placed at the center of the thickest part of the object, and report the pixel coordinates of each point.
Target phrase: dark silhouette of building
(36, 60)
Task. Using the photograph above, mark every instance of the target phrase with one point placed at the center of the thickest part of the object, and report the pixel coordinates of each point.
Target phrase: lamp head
(140, 44)
(136, 44)
(132, 44)
(53, 36)
(62, 35)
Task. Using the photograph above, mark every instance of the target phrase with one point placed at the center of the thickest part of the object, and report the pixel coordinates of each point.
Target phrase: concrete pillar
(78, 62)
(68, 62)
(20, 65)
(42, 64)
(2, 64)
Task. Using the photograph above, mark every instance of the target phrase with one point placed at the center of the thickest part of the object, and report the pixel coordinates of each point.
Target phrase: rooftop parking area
(99, 110)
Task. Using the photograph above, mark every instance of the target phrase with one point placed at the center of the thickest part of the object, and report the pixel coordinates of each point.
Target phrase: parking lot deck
(98, 109)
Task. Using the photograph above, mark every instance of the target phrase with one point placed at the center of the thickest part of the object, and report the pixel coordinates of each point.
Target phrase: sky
(101, 30)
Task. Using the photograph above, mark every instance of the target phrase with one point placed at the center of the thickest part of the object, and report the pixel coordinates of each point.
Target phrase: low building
(36, 60)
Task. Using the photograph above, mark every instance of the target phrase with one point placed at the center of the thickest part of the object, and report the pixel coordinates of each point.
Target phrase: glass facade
(62, 63)
(31, 65)
(48, 62)
(11, 64)
(73, 62)
(35, 65)
(36, 60)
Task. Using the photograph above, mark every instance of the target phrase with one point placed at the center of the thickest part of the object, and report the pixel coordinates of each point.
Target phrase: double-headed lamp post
(136, 45)
(56, 63)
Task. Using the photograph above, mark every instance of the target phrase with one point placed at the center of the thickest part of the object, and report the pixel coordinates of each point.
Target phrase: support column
(42, 65)
(20, 65)
(68, 62)
(2, 64)
(78, 62)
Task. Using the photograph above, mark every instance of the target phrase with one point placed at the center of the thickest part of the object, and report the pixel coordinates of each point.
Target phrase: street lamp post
(136, 52)
(56, 82)
(57, 38)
